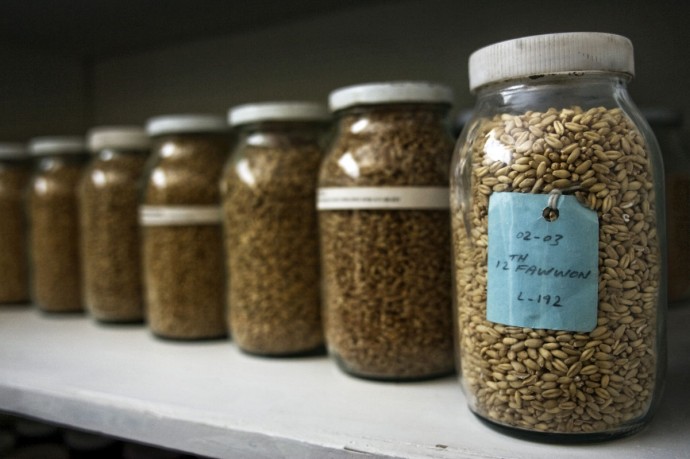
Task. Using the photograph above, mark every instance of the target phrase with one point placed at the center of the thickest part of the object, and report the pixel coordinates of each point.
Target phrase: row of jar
(554, 210)
(176, 235)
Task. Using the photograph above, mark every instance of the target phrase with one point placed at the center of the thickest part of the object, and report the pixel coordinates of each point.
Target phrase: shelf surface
(208, 398)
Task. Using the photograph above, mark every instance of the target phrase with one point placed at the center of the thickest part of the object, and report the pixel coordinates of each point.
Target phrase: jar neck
(557, 91)
(255, 133)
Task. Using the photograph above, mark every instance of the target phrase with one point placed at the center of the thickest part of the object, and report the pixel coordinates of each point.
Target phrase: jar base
(319, 351)
(562, 438)
(190, 339)
(388, 378)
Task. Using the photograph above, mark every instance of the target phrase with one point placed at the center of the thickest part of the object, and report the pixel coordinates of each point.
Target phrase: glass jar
(667, 125)
(271, 239)
(384, 228)
(181, 227)
(109, 195)
(15, 171)
(558, 232)
(54, 223)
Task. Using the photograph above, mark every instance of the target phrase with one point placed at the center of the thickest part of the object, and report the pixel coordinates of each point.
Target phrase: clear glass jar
(384, 228)
(667, 125)
(109, 195)
(555, 129)
(271, 239)
(53, 214)
(15, 171)
(181, 227)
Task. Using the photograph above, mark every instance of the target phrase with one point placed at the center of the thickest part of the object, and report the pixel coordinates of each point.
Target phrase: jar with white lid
(384, 229)
(180, 223)
(109, 195)
(15, 172)
(53, 214)
(559, 241)
(271, 237)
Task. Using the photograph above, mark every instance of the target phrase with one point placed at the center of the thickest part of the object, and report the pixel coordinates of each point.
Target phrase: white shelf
(208, 398)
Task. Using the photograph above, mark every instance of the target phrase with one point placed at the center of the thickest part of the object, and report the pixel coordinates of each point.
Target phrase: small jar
(15, 171)
(271, 239)
(109, 195)
(53, 214)
(385, 236)
(667, 125)
(559, 241)
(181, 227)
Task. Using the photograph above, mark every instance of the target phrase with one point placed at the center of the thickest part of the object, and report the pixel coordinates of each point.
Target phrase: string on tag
(551, 212)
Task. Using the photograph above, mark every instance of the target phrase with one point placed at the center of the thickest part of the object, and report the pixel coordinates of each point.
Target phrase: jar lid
(13, 150)
(58, 144)
(391, 92)
(277, 111)
(122, 137)
(174, 124)
(550, 54)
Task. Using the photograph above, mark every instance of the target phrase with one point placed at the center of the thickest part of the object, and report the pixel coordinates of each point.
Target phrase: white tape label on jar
(179, 215)
(542, 262)
(402, 197)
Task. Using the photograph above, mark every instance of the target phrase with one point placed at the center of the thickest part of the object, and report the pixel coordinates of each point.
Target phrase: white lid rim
(277, 111)
(39, 146)
(118, 137)
(13, 150)
(551, 54)
(537, 77)
(393, 92)
(186, 124)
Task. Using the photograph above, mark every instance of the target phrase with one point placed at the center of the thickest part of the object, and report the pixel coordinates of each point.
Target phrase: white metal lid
(187, 123)
(390, 92)
(551, 54)
(277, 111)
(118, 137)
(58, 144)
(13, 150)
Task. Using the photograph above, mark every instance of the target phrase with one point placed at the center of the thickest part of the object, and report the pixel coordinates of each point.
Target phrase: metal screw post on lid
(552, 54)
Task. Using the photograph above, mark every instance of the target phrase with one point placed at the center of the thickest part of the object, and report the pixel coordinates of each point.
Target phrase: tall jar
(15, 171)
(109, 195)
(181, 227)
(53, 214)
(558, 233)
(385, 231)
(271, 239)
(667, 125)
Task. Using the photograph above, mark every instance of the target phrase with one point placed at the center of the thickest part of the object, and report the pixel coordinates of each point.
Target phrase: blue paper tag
(542, 274)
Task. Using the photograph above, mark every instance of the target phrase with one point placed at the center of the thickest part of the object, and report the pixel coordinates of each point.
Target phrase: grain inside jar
(181, 227)
(271, 240)
(576, 385)
(109, 195)
(15, 172)
(384, 228)
(53, 213)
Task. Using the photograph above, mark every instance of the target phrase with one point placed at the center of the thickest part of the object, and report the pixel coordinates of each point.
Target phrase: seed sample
(387, 269)
(560, 381)
(15, 171)
(271, 239)
(109, 195)
(54, 223)
(181, 231)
